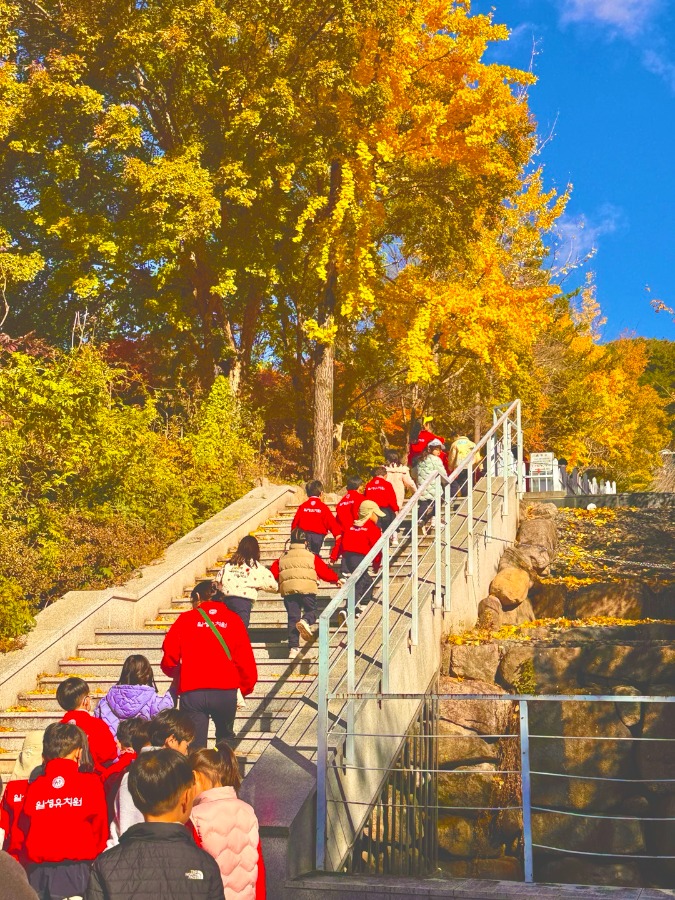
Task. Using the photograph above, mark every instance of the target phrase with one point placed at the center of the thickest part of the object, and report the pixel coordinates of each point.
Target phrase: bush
(16, 614)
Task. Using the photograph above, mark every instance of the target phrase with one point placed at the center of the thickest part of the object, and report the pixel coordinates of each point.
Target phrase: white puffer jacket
(245, 581)
(228, 831)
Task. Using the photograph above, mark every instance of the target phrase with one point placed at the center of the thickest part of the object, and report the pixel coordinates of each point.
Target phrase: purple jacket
(126, 701)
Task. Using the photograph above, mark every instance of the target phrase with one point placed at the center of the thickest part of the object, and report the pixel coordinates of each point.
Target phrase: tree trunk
(477, 419)
(322, 459)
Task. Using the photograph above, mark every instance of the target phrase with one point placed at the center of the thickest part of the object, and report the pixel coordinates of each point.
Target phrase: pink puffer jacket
(227, 828)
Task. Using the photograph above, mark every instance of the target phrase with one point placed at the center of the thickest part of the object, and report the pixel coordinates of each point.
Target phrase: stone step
(133, 641)
(105, 675)
(115, 653)
(36, 717)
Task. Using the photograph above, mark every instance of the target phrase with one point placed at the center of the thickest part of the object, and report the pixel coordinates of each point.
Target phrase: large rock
(466, 790)
(576, 870)
(629, 713)
(481, 716)
(657, 759)
(539, 532)
(620, 599)
(510, 586)
(474, 662)
(489, 614)
(538, 558)
(519, 615)
(548, 600)
(539, 511)
(544, 669)
(460, 837)
(661, 839)
(579, 757)
(573, 832)
(506, 868)
(641, 665)
(457, 745)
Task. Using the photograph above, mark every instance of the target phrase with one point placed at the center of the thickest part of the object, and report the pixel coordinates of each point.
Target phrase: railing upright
(438, 534)
(448, 548)
(526, 794)
(351, 667)
(470, 546)
(519, 441)
(506, 454)
(415, 535)
(385, 616)
(322, 746)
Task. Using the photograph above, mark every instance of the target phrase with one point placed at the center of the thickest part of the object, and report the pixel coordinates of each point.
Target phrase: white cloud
(627, 17)
(578, 237)
(660, 65)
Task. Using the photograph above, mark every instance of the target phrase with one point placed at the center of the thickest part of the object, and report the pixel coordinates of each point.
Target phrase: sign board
(541, 464)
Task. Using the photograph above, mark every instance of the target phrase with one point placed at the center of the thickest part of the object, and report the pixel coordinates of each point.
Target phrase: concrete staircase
(280, 686)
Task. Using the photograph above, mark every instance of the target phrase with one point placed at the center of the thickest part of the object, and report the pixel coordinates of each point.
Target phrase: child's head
(314, 488)
(392, 457)
(436, 447)
(215, 768)
(247, 553)
(63, 740)
(369, 511)
(353, 484)
(298, 536)
(134, 734)
(73, 693)
(137, 670)
(202, 592)
(379, 472)
(29, 757)
(172, 728)
(161, 785)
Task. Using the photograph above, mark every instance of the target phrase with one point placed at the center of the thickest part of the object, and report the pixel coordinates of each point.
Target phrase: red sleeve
(274, 569)
(331, 523)
(324, 572)
(107, 749)
(5, 817)
(171, 650)
(393, 502)
(261, 883)
(358, 500)
(98, 816)
(243, 657)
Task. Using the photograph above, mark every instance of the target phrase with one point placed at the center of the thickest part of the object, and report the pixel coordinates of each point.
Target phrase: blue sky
(606, 98)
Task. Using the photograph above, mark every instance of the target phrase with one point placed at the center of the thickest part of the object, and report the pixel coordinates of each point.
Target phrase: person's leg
(241, 606)
(387, 519)
(307, 602)
(293, 608)
(193, 703)
(223, 709)
(364, 593)
(315, 541)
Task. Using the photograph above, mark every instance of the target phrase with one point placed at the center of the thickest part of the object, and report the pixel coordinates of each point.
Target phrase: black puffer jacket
(155, 861)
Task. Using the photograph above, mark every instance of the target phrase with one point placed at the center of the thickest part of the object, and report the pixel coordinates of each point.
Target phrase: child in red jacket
(64, 817)
(357, 542)
(346, 511)
(132, 735)
(29, 759)
(315, 518)
(74, 696)
(382, 492)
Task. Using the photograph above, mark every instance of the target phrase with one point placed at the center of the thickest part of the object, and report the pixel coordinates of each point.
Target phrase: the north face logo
(195, 875)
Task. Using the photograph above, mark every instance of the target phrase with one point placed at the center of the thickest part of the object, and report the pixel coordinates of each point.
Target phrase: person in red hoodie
(64, 817)
(382, 492)
(28, 762)
(74, 696)
(315, 518)
(346, 512)
(357, 542)
(208, 649)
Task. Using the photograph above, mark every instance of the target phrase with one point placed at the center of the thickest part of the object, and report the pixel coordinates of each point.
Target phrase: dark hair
(134, 733)
(171, 723)
(60, 739)
(137, 670)
(393, 457)
(415, 429)
(298, 536)
(157, 779)
(379, 470)
(202, 591)
(353, 484)
(314, 488)
(71, 692)
(247, 553)
(219, 765)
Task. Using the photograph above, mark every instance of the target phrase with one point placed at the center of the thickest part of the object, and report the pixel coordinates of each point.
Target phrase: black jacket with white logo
(152, 861)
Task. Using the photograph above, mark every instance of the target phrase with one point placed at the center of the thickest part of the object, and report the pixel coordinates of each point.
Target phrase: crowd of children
(125, 800)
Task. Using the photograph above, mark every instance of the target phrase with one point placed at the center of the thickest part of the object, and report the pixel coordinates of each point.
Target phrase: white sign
(541, 464)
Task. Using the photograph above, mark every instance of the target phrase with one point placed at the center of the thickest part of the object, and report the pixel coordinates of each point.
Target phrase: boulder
(489, 614)
(542, 533)
(510, 586)
(566, 832)
(475, 662)
(653, 760)
(513, 558)
(506, 868)
(576, 870)
(466, 790)
(620, 599)
(459, 837)
(538, 558)
(519, 615)
(629, 713)
(636, 664)
(548, 600)
(457, 745)
(539, 511)
(551, 669)
(661, 839)
(481, 716)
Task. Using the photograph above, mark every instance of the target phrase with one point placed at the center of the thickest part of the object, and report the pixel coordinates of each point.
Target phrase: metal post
(519, 440)
(448, 539)
(351, 668)
(525, 790)
(470, 546)
(322, 745)
(506, 459)
(414, 637)
(490, 450)
(438, 509)
(385, 617)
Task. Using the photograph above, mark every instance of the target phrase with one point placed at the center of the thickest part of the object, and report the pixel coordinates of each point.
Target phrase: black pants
(350, 562)
(299, 606)
(241, 606)
(458, 488)
(56, 881)
(315, 541)
(426, 509)
(387, 519)
(211, 703)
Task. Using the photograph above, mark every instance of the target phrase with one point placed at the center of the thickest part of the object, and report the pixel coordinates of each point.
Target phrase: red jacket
(347, 510)
(64, 815)
(10, 810)
(425, 437)
(193, 653)
(324, 572)
(361, 539)
(382, 492)
(102, 744)
(313, 515)
(112, 779)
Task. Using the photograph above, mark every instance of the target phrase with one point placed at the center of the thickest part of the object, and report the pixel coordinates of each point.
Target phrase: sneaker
(394, 539)
(342, 617)
(293, 652)
(241, 700)
(305, 630)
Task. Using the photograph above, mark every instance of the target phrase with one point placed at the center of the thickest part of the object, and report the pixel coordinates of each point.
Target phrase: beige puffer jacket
(297, 573)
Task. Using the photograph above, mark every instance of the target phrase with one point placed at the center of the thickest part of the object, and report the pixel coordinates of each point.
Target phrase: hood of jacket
(128, 700)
